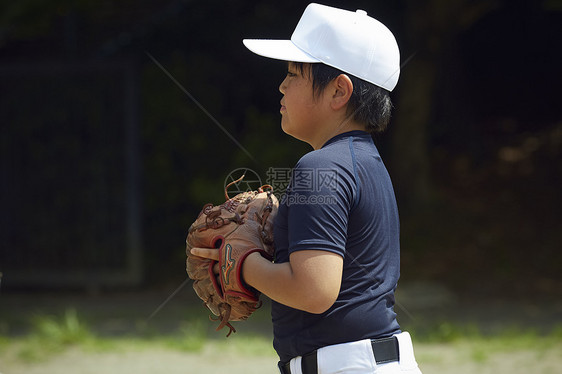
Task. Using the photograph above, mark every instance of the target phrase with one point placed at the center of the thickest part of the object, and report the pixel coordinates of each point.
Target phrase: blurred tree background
(106, 160)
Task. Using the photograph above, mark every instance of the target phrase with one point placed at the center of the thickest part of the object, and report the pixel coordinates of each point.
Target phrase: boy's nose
(282, 87)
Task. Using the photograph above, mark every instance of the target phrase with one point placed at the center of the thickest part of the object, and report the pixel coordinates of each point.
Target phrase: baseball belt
(385, 350)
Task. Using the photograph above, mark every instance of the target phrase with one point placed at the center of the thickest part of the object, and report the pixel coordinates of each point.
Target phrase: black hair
(369, 104)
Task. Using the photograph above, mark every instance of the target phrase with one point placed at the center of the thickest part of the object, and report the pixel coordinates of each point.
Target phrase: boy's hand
(210, 253)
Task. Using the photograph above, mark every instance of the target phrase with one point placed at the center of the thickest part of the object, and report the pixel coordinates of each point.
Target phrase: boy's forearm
(279, 282)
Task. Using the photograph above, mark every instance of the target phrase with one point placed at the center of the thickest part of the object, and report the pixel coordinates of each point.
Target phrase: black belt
(385, 350)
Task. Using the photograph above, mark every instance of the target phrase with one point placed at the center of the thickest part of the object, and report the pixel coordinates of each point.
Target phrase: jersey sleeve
(319, 200)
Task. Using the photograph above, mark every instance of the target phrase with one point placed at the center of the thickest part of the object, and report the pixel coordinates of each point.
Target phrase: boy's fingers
(211, 253)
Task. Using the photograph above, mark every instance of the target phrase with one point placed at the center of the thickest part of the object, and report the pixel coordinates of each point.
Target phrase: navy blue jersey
(340, 199)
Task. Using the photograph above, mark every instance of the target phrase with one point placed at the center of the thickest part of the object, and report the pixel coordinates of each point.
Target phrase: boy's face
(302, 113)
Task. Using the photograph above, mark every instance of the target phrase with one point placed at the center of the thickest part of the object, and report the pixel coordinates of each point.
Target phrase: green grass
(51, 335)
(474, 345)
(511, 338)
(54, 334)
(62, 331)
(191, 338)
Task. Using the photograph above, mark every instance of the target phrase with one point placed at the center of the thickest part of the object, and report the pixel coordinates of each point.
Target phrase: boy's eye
(291, 74)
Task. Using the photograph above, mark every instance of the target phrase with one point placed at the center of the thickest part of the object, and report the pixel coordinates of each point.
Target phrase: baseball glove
(240, 226)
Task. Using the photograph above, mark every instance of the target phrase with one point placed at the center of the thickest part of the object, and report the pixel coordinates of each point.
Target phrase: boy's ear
(342, 90)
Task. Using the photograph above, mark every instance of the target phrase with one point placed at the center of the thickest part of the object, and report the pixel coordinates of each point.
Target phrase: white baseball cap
(349, 41)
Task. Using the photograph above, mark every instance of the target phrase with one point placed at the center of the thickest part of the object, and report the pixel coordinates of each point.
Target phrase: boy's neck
(335, 129)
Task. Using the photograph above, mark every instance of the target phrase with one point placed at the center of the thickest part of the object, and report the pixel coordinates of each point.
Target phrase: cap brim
(278, 49)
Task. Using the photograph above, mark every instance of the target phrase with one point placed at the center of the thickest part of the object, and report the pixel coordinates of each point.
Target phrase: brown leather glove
(240, 226)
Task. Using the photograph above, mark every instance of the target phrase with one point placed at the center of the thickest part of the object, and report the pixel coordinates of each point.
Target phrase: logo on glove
(228, 263)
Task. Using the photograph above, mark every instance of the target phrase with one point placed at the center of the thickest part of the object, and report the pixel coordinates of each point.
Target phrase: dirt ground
(433, 359)
(143, 362)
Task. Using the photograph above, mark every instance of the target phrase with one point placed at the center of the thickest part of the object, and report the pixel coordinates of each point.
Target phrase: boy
(337, 229)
